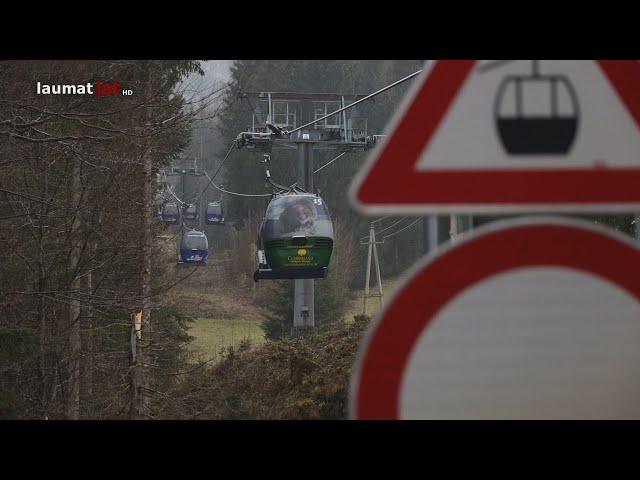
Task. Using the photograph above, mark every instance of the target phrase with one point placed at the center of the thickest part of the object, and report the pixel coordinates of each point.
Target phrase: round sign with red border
(535, 318)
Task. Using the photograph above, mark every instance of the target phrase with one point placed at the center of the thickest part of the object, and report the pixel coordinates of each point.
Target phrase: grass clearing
(373, 305)
(213, 334)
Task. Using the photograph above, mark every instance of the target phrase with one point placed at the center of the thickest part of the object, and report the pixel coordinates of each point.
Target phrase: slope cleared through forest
(302, 378)
(356, 305)
(223, 314)
(212, 336)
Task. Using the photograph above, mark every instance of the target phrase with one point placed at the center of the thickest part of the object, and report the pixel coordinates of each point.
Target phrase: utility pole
(183, 180)
(303, 296)
(453, 227)
(458, 224)
(462, 224)
(372, 248)
(436, 230)
(202, 208)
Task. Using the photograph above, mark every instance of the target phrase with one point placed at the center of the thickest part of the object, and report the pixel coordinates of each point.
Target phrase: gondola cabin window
(297, 215)
(195, 242)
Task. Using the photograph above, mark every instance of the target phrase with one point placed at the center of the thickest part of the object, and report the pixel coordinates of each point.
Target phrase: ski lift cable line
(401, 230)
(215, 174)
(371, 95)
(236, 193)
(170, 190)
(329, 163)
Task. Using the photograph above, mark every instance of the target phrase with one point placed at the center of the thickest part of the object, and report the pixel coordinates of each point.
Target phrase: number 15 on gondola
(507, 136)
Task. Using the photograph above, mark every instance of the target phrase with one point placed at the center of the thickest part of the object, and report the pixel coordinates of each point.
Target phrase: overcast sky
(197, 87)
(217, 69)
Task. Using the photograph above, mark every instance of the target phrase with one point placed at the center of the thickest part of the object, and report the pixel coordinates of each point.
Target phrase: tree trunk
(42, 317)
(140, 368)
(88, 367)
(73, 401)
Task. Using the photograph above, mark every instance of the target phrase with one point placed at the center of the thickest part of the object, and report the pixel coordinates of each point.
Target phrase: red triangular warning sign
(510, 136)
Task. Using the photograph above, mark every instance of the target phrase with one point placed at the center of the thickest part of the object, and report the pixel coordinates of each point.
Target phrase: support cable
(371, 95)
(236, 193)
(170, 190)
(329, 163)
(216, 172)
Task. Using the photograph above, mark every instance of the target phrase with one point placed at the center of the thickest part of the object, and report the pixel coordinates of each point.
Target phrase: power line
(401, 230)
(392, 225)
(386, 228)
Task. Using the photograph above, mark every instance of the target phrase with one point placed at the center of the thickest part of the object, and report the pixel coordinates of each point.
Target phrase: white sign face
(535, 343)
(587, 121)
(530, 318)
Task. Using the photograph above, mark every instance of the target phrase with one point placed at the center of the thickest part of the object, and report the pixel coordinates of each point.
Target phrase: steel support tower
(280, 112)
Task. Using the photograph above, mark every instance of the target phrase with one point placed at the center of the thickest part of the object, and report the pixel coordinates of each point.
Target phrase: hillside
(244, 376)
(302, 378)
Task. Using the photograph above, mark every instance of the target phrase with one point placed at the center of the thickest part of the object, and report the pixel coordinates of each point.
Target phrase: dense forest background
(77, 175)
(80, 250)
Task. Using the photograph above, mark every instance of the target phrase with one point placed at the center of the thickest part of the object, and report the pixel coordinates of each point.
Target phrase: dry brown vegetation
(297, 378)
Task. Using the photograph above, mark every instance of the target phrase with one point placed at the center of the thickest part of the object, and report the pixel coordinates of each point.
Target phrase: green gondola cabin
(296, 238)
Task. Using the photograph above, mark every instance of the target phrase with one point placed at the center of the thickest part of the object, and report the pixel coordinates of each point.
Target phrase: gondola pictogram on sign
(532, 318)
(550, 132)
(510, 136)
